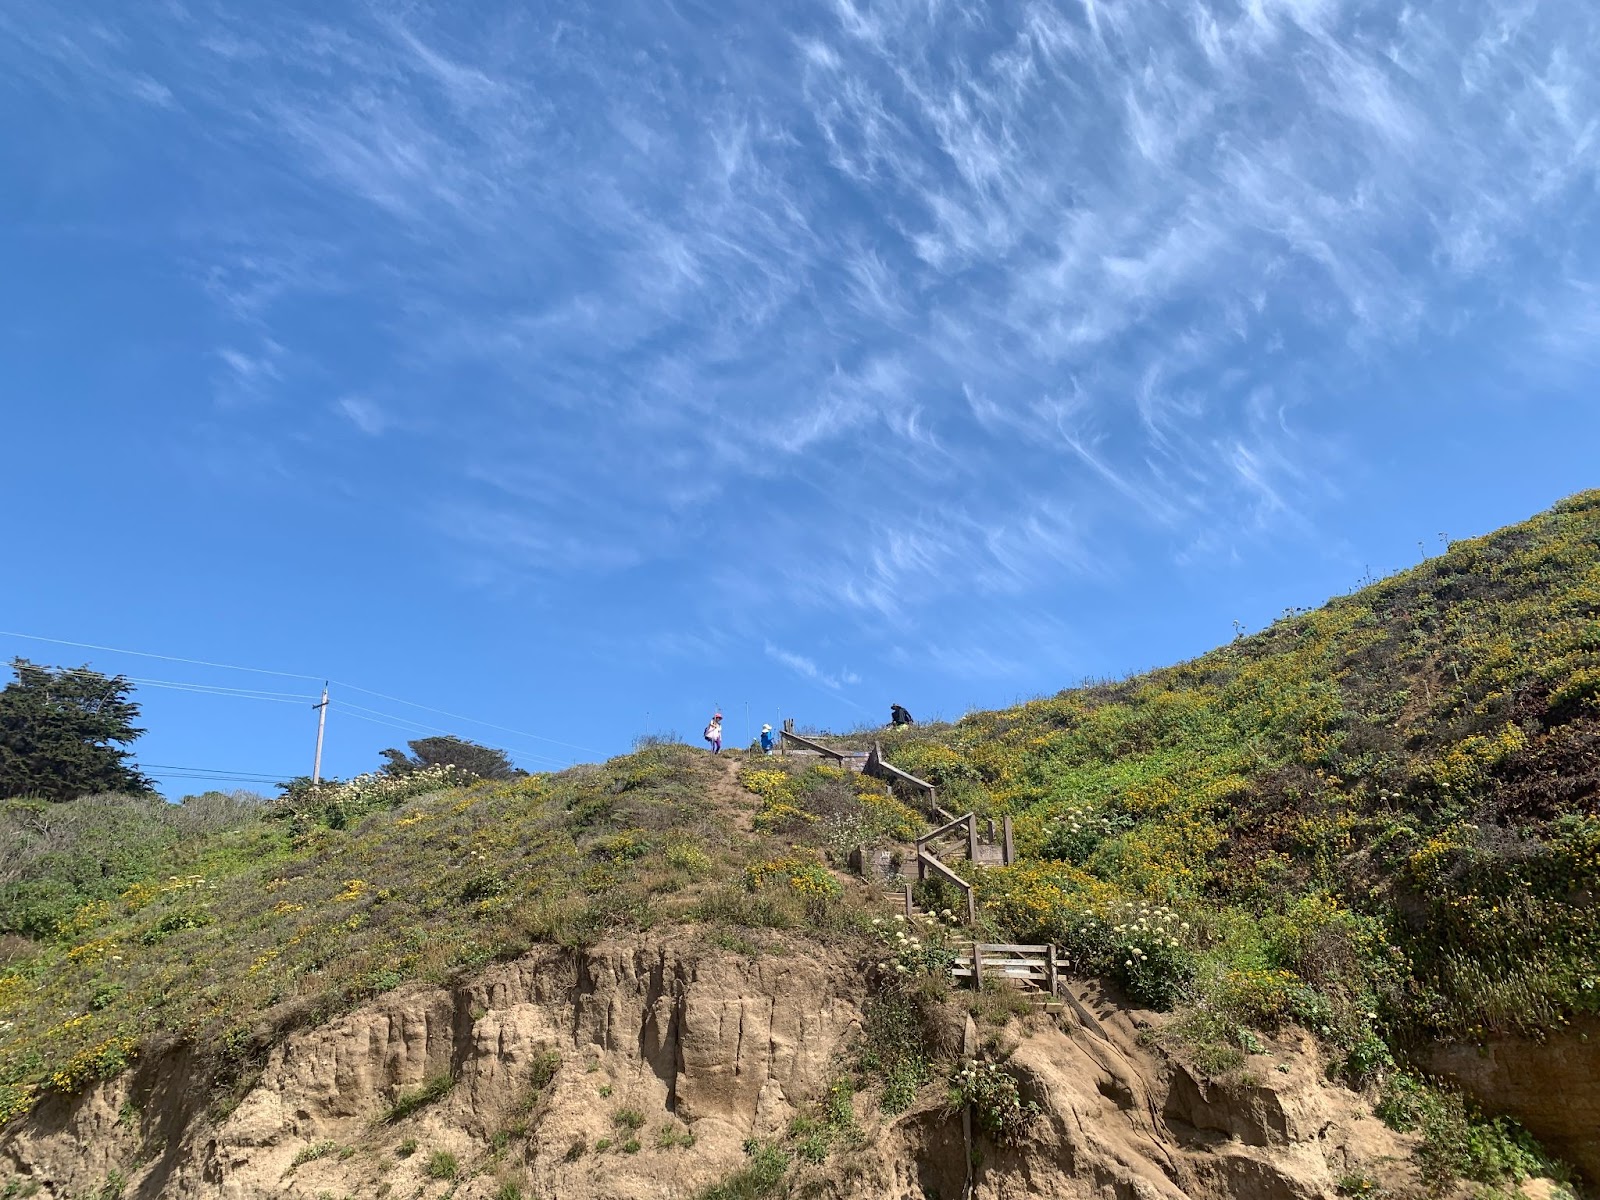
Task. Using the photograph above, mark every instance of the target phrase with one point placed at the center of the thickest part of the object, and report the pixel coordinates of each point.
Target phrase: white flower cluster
(1146, 928)
(918, 945)
(377, 790)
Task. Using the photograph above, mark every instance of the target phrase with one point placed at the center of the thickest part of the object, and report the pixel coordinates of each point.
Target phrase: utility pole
(322, 723)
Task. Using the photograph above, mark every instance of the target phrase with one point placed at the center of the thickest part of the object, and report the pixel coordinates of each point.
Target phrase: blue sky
(578, 367)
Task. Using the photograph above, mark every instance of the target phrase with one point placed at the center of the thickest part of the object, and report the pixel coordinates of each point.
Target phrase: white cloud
(365, 414)
(808, 669)
(947, 297)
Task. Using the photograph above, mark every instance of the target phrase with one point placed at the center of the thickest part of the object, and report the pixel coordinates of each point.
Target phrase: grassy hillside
(126, 923)
(1379, 819)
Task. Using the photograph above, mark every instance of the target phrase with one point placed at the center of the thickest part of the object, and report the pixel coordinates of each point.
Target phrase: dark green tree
(61, 731)
(483, 761)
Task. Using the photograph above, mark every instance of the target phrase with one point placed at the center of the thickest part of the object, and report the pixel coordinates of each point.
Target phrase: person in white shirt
(713, 733)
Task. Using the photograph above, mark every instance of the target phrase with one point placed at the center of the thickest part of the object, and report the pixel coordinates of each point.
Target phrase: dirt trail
(726, 791)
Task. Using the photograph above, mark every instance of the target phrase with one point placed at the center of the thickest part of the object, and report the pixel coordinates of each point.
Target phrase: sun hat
(766, 729)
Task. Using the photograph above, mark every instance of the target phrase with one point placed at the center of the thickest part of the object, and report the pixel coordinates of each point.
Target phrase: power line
(408, 726)
(470, 720)
(297, 675)
(197, 662)
(217, 687)
(236, 776)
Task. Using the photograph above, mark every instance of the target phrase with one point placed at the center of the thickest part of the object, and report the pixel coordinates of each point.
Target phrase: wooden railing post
(1009, 854)
(972, 838)
(1050, 969)
(977, 966)
(972, 906)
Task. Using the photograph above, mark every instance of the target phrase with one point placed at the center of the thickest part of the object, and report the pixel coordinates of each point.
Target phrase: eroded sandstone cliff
(698, 1041)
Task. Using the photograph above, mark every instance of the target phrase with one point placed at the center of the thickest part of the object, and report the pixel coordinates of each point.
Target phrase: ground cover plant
(1379, 819)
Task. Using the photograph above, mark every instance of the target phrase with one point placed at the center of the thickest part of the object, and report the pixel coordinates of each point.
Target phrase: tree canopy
(61, 733)
(483, 761)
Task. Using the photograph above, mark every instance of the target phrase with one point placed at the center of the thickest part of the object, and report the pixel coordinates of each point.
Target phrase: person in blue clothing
(766, 739)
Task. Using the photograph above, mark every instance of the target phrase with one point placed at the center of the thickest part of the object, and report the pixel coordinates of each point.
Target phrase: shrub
(672, 1137)
(628, 1118)
(689, 859)
(995, 1098)
(1148, 953)
(830, 1122)
(434, 1088)
(756, 1180)
(442, 1165)
(923, 945)
(805, 877)
(311, 1153)
(1457, 1141)
(891, 1048)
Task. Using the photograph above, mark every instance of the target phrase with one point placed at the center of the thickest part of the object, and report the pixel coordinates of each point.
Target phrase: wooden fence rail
(806, 743)
(1030, 964)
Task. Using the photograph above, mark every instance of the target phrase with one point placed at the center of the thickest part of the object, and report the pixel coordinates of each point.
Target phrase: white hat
(766, 729)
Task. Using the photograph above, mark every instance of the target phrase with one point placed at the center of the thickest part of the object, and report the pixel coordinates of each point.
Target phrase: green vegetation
(442, 1165)
(756, 1180)
(1458, 1142)
(60, 733)
(481, 762)
(311, 1153)
(408, 1102)
(132, 920)
(992, 1093)
(674, 1137)
(1379, 820)
(829, 1125)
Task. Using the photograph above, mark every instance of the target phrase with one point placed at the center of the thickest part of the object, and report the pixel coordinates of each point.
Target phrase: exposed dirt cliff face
(723, 1046)
(1551, 1086)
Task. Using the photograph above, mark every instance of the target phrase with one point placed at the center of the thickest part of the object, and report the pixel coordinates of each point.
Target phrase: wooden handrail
(926, 860)
(825, 751)
(945, 828)
(880, 767)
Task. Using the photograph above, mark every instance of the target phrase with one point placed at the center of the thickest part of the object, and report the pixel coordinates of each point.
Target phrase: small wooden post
(972, 907)
(977, 966)
(1050, 969)
(908, 899)
(972, 838)
(1009, 855)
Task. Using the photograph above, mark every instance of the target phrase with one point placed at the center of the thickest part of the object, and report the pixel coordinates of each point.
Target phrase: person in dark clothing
(899, 716)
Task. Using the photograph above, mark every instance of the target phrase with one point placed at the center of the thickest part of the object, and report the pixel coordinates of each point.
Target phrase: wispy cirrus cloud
(913, 306)
(807, 668)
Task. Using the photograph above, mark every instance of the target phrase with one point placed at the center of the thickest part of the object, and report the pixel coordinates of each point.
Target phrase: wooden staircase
(1031, 969)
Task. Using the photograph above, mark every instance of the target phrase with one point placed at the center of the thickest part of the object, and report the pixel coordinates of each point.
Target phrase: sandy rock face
(1119, 1121)
(1552, 1087)
(728, 1045)
(659, 1038)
